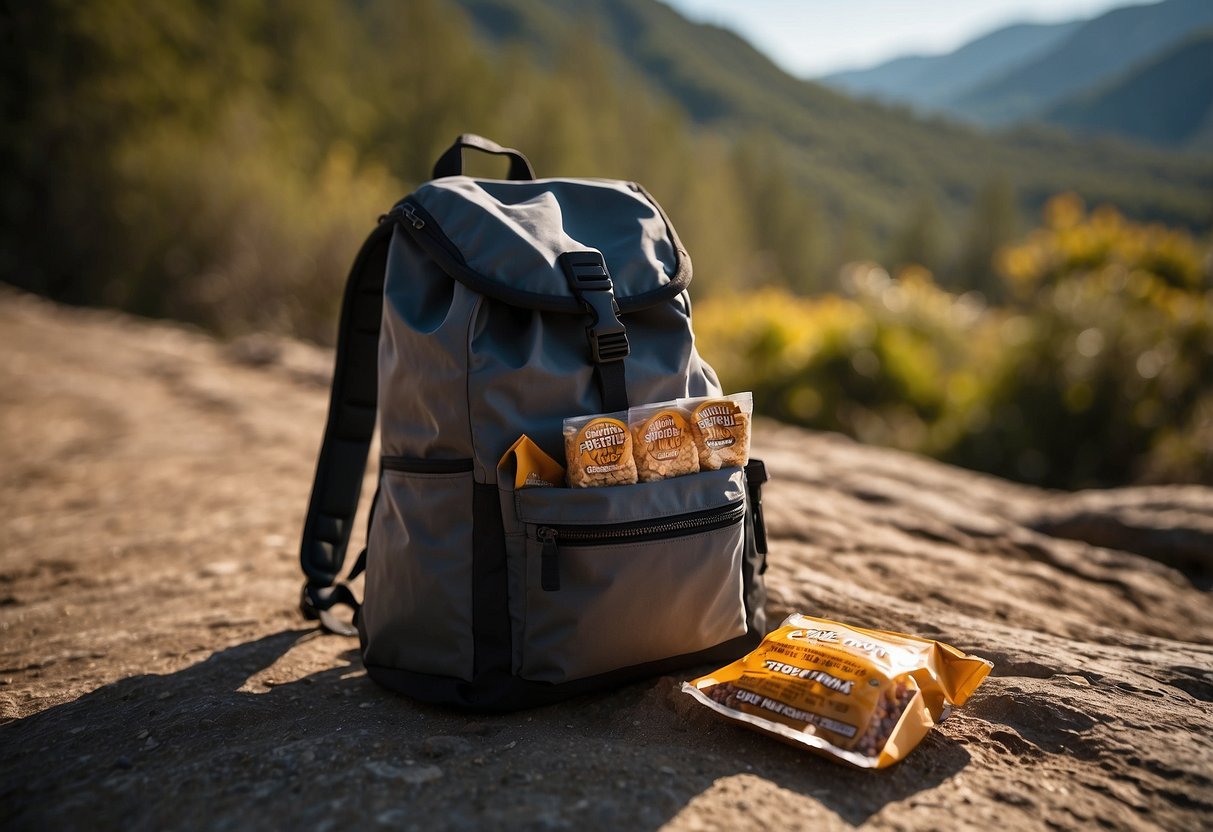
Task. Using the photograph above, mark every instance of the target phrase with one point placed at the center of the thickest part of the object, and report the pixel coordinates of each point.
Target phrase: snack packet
(599, 450)
(721, 427)
(866, 697)
(662, 442)
(532, 467)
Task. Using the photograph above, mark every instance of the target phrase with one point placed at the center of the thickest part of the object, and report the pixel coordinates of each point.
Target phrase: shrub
(241, 235)
(1098, 371)
(897, 362)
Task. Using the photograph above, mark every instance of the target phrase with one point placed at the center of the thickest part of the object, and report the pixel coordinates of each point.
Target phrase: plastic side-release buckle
(591, 283)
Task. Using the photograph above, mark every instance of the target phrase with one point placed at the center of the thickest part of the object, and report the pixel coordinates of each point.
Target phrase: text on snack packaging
(818, 676)
(603, 437)
(832, 637)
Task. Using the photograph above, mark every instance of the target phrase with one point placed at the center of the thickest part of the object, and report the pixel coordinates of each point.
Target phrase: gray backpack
(477, 311)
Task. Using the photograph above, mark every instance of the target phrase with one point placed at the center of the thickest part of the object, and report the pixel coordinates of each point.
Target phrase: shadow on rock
(853, 795)
(113, 754)
(707, 765)
(857, 795)
(200, 747)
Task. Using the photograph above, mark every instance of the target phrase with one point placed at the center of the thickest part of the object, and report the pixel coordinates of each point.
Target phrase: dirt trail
(154, 672)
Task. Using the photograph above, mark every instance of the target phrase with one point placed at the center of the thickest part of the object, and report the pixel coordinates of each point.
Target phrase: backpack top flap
(504, 238)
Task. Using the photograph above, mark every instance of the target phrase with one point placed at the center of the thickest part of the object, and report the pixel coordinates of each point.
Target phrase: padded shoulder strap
(351, 422)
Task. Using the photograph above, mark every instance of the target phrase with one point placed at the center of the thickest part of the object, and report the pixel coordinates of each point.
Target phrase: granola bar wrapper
(720, 426)
(598, 450)
(662, 442)
(865, 697)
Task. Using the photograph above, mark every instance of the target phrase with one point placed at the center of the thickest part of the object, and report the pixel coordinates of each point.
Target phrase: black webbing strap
(347, 434)
(612, 385)
(450, 163)
(755, 476)
(608, 338)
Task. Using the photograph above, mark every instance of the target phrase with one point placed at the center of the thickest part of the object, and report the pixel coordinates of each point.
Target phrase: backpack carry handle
(450, 163)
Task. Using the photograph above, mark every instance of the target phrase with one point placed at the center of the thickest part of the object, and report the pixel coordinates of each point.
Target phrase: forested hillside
(219, 161)
(1135, 72)
(879, 168)
(1167, 100)
(1095, 54)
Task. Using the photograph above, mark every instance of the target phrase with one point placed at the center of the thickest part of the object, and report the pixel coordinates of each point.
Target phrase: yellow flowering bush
(1098, 371)
(1116, 381)
(898, 362)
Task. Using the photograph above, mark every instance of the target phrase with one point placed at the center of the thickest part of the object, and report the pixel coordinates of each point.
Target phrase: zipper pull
(410, 214)
(549, 560)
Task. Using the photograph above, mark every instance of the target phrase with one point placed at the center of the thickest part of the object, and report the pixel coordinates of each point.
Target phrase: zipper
(410, 214)
(416, 465)
(421, 225)
(551, 537)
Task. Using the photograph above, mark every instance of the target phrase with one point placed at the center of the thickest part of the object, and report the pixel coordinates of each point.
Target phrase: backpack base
(499, 692)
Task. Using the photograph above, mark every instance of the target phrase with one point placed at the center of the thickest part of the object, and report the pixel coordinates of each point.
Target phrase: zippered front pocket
(619, 577)
(551, 537)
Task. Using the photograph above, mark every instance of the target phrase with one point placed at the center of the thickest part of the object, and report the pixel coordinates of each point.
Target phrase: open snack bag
(866, 697)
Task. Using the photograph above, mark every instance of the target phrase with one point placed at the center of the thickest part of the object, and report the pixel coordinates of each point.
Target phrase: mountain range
(857, 158)
(932, 82)
(1168, 100)
(1083, 75)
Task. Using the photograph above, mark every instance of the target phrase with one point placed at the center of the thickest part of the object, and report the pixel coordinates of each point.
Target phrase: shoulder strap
(347, 434)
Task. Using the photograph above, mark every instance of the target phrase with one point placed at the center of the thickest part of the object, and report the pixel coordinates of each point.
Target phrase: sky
(810, 38)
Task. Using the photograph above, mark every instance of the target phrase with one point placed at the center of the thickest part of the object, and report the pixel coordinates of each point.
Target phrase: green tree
(785, 219)
(920, 239)
(993, 222)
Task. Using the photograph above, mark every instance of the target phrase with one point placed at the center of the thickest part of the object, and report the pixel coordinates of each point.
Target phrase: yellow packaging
(866, 697)
(598, 450)
(532, 467)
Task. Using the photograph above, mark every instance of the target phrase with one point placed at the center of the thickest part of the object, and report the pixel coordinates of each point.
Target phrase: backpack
(477, 311)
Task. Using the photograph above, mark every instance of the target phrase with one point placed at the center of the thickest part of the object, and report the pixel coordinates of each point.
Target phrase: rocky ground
(154, 672)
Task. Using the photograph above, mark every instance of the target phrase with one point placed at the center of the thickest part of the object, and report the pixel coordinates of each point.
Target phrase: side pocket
(617, 577)
(417, 610)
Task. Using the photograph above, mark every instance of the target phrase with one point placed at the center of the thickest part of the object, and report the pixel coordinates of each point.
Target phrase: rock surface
(154, 672)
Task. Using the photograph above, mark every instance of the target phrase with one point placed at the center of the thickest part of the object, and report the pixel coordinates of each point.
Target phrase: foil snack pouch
(532, 467)
(866, 697)
(599, 450)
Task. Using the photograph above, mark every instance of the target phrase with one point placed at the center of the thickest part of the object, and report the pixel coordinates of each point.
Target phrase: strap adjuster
(591, 283)
(317, 602)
